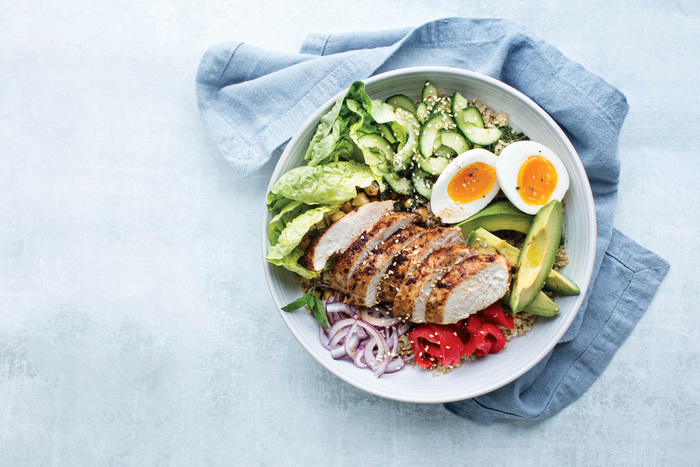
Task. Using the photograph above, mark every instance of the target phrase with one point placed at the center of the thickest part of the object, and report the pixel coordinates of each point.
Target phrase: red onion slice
(340, 307)
(360, 358)
(378, 317)
(395, 365)
(338, 352)
(352, 340)
(337, 326)
(323, 338)
(406, 326)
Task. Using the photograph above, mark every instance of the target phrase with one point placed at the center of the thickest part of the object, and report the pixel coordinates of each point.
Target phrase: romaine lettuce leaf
(285, 251)
(330, 184)
(353, 116)
(279, 222)
(290, 262)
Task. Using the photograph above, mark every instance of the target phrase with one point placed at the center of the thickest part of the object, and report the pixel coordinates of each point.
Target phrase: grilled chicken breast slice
(362, 247)
(413, 294)
(363, 288)
(338, 236)
(473, 285)
(406, 261)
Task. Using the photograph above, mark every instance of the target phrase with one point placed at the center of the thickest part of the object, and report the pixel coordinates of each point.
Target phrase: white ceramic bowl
(414, 384)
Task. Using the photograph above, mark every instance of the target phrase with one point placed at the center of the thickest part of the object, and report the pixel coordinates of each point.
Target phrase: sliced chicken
(341, 234)
(363, 288)
(413, 294)
(406, 261)
(473, 285)
(362, 247)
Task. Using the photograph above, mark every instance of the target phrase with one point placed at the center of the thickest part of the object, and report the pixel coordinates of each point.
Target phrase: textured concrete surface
(135, 324)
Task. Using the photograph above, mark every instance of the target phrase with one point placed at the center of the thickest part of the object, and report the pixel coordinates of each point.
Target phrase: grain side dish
(424, 232)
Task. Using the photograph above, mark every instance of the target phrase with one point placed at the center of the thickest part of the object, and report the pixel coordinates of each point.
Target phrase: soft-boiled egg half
(465, 187)
(531, 175)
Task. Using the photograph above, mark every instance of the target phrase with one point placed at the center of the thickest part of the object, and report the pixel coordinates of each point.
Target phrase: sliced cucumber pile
(426, 136)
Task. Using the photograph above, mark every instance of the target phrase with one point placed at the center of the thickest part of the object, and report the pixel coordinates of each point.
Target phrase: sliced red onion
(406, 326)
(340, 307)
(378, 317)
(340, 335)
(370, 342)
(393, 341)
(360, 358)
(351, 341)
(323, 338)
(338, 325)
(338, 352)
(395, 365)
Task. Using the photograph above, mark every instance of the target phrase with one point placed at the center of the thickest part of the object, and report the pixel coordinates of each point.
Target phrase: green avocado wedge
(488, 243)
(537, 256)
(499, 215)
(479, 239)
(542, 305)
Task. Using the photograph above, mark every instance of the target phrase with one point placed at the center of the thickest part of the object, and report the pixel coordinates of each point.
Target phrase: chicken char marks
(428, 273)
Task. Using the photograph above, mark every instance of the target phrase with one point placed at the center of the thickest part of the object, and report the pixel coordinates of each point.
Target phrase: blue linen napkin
(252, 101)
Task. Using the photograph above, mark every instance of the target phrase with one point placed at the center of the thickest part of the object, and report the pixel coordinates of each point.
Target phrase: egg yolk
(472, 182)
(536, 180)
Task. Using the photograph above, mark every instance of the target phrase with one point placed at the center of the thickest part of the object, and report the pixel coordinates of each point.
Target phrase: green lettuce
(330, 184)
(353, 116)
(280, 221)
(287, 230)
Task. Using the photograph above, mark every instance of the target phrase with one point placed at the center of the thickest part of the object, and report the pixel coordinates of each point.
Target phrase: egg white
(508, 167)
(446, 208)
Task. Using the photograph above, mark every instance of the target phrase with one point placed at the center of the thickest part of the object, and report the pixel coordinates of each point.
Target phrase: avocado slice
(541, 306)
(537, 256)
(488, 243)
(500, 215)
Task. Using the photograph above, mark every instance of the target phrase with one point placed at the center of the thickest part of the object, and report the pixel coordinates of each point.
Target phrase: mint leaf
(299, 302)
(319, 313)
(313, 303)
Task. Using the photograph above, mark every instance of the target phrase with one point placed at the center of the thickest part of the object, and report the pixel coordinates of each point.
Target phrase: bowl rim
(588, 263)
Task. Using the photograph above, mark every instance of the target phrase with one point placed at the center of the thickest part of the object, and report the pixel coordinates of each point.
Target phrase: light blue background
(135, 324)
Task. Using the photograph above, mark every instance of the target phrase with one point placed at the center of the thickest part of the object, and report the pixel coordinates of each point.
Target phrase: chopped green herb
(313, 303)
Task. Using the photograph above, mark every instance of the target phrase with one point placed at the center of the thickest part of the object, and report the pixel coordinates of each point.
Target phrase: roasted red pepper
(489, 339)
(433, 343)
(494, 314)
(468, 340)
(473, 323)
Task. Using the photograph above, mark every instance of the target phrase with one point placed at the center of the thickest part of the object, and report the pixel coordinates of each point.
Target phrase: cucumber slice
(472, 115)
(429, 131)
(429, 94)
(422, 183)
(403, 156)
(437, 142)
(403, 101)
(444, 151)
(422, 112)
(386, 132)
(459, 102)
(454, 140)
(433, 165)
(481, 136)
(374, 141)
(401, 185)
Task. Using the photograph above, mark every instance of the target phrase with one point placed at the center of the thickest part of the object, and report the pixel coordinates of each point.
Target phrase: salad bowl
(414, 384)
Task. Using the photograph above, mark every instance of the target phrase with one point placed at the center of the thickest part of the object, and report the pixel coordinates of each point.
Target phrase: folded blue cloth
(252, 101)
